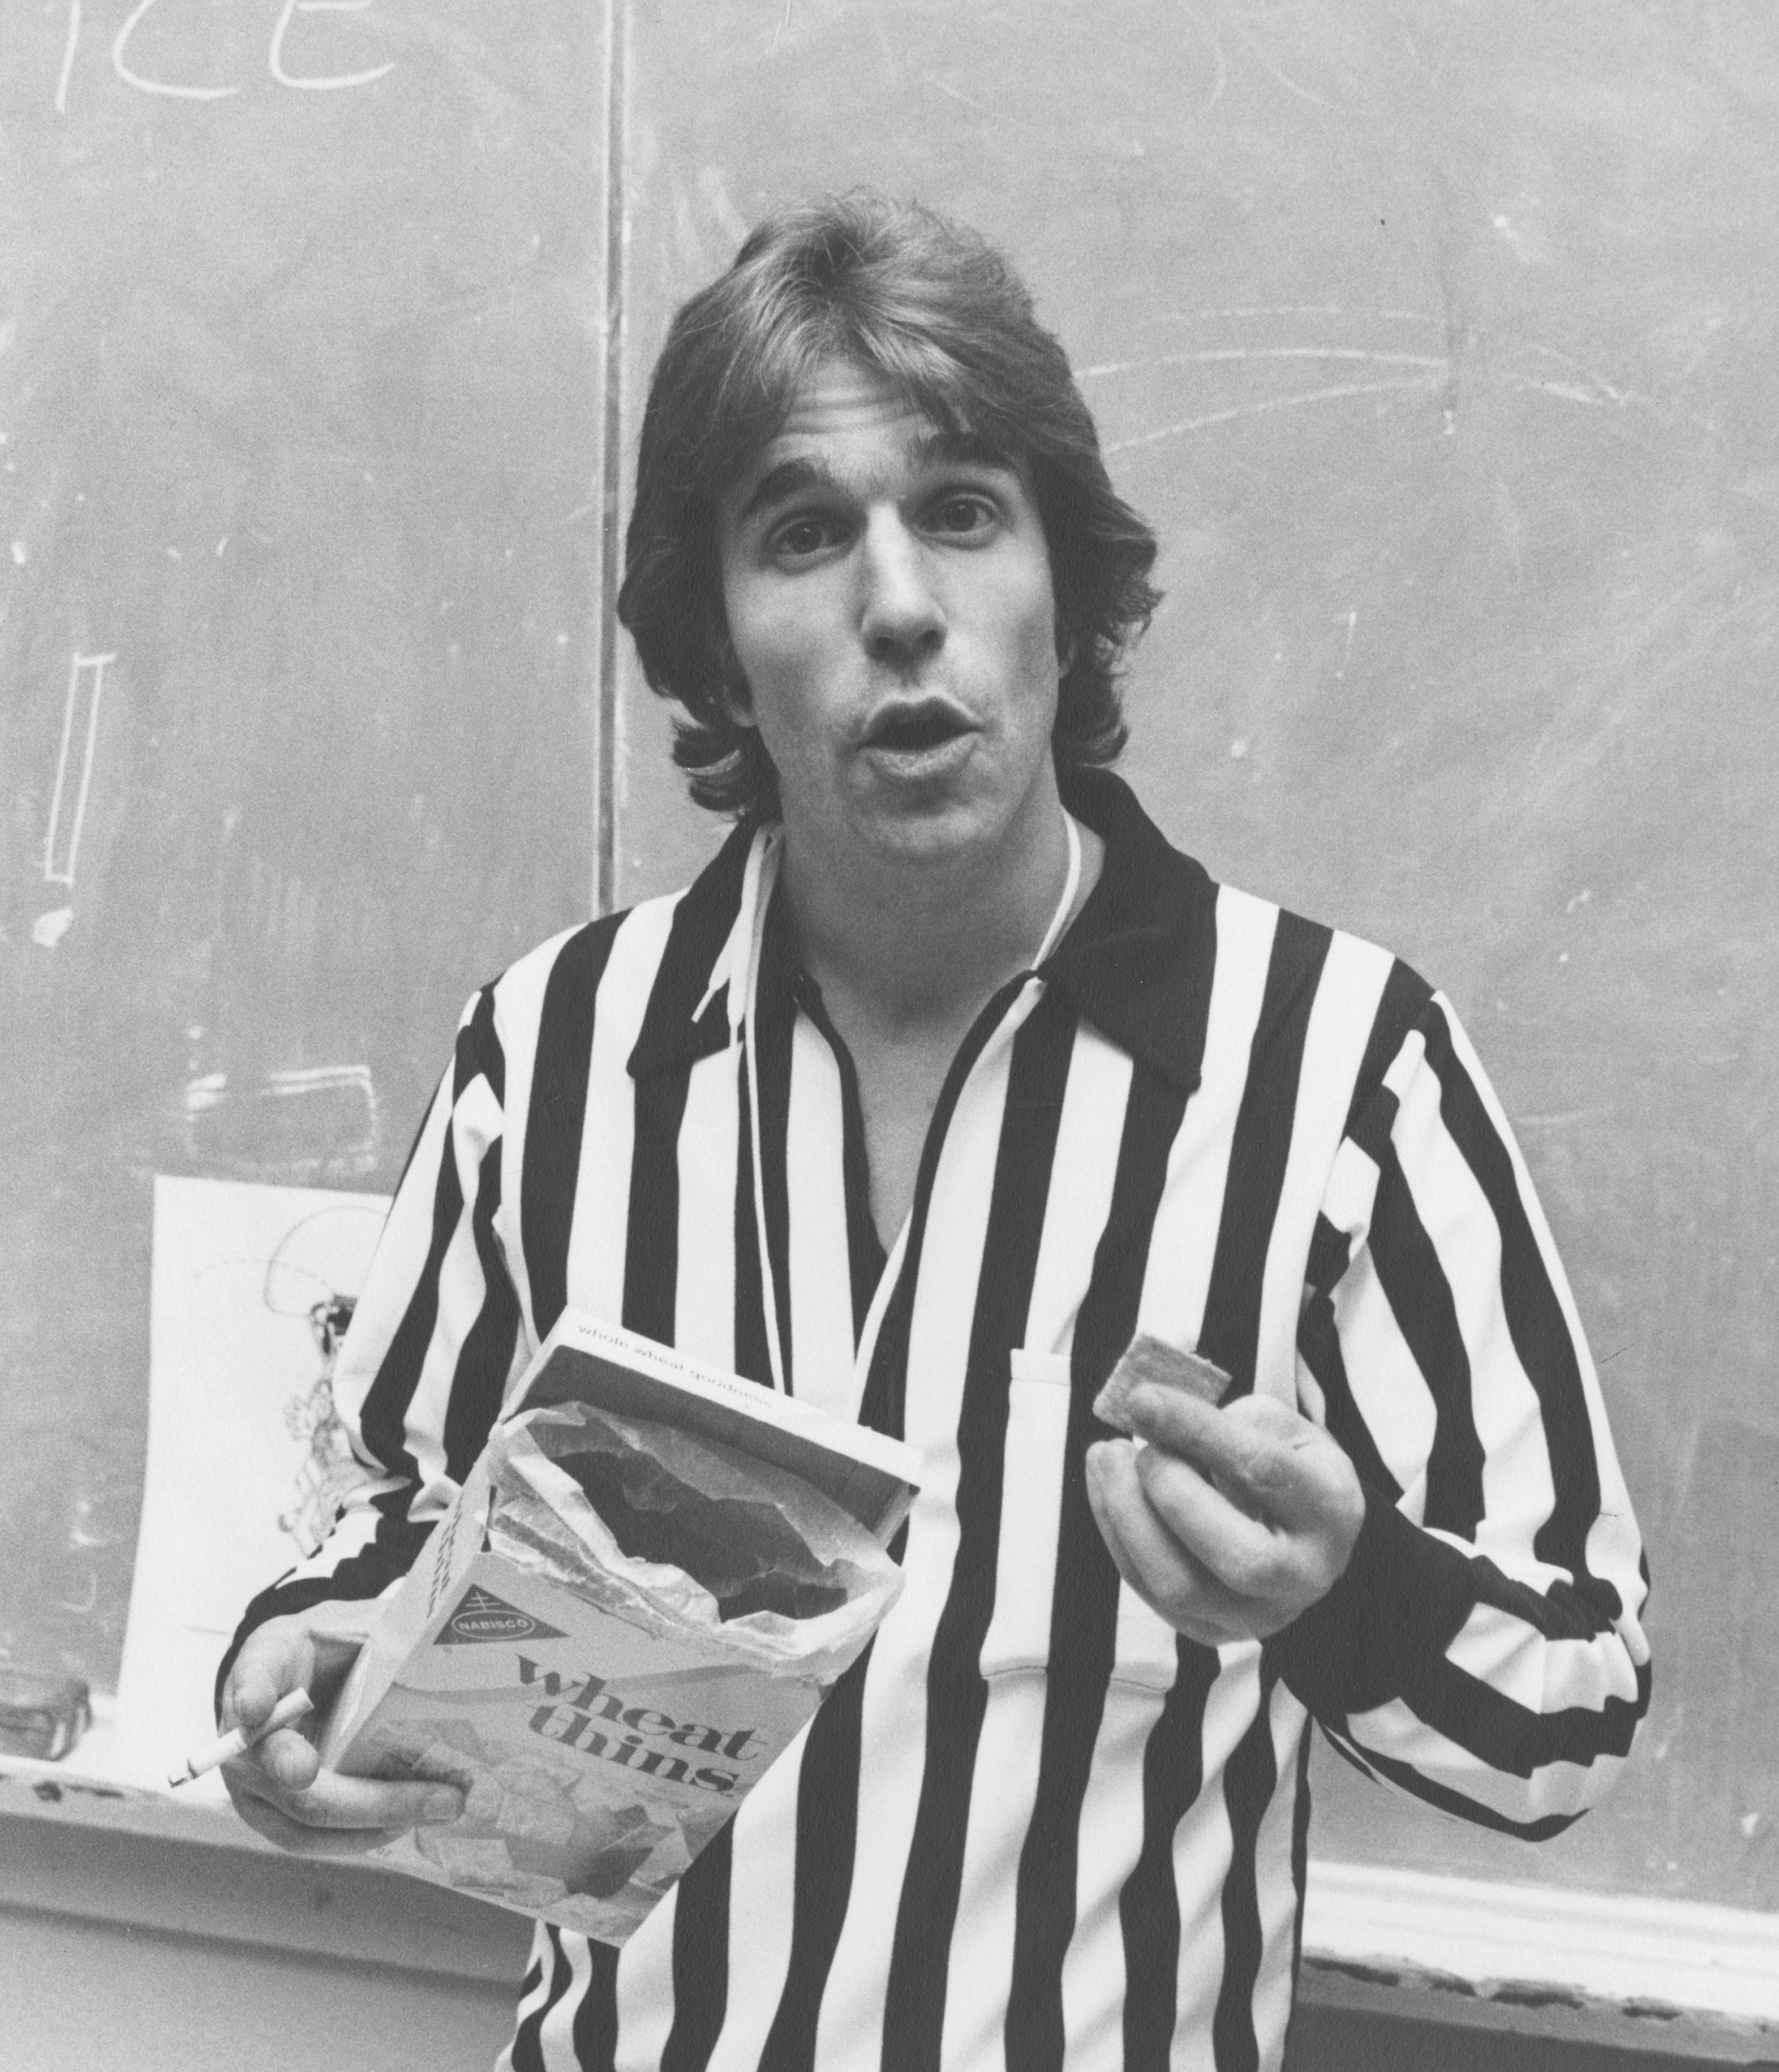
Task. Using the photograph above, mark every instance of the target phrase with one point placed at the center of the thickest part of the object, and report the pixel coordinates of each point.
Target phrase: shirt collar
(1135, 962)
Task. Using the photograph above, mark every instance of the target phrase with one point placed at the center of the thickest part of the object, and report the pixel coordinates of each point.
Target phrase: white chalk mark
(1217, 59)
(958, 95)
(85, 670)
(1265, 407)
(1301, 310)
(146, 85)
(1347, 652)
(314, 83)
(48, 929)
(1221, 354)
(1587, 373)
(68, 57)
(1267, 65)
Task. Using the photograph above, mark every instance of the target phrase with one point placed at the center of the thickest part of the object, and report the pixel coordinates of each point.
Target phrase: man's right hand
(279, 1786)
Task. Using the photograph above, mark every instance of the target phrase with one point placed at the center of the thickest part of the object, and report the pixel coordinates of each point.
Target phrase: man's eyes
(960, 517)
(809, 534)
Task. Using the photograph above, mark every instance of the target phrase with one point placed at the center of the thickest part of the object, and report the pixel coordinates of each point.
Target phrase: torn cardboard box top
(646, 1586)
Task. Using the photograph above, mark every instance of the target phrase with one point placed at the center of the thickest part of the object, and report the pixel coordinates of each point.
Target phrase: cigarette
(289, 1709)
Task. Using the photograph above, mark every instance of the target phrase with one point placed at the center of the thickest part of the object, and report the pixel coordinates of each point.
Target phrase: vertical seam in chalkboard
(605, 862)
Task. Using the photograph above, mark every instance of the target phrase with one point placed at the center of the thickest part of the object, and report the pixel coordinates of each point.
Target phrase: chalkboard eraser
(42, 1717)
(1162, 1366)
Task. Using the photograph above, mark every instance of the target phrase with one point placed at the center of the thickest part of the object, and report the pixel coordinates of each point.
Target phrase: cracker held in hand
(1161, 1366)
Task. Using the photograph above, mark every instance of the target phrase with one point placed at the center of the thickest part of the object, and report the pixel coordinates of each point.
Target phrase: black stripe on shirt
(886, 1386)
(1512, 1738)
(1420, 1298)
(1259, 1147)
(527, 2051)
(651, 1239)
(1428, 1789)
(557, 1114)
(864, 1253)
(1084, 1611)
(956, 1691)
(390, 1553)
(773, 1030)
(700, 1958)
(1299, 1857)
(595, 2027)
(485, 1358)
(1535, 1322)
(1250, 1777)
(1319, 1342)
(382, 1420)
(752, 1356)
(667, 1045)
(1400, 1007)
(827, 1819)
(1148, 1906)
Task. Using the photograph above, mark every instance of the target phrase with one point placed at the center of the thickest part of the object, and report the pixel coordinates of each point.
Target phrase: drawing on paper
(312, 1256)
(248, 1461)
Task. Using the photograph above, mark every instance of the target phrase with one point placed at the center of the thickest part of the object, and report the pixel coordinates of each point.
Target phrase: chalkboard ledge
(1648, 1975)
(1387, 1953)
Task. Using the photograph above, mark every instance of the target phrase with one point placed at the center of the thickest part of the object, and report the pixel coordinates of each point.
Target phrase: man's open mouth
(910, 728)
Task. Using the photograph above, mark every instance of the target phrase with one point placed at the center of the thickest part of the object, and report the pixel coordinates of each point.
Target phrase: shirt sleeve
(434, 1340)
(1482, 1651)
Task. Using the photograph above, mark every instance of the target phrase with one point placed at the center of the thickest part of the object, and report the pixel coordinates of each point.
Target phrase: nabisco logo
(483, 1617)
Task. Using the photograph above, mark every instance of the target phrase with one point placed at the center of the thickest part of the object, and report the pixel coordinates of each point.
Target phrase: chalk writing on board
(140, 80)
(285, 70)
(72, 46)
(86, 685)
(275, 59)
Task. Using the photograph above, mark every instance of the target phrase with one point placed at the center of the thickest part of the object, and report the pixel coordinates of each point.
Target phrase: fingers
(1163, 1571)
(297, 1841)
(1265, 1458)
(278, 1785)
(1239, 1550)
(341, 1804)
(288, 1758)
(276, 1657)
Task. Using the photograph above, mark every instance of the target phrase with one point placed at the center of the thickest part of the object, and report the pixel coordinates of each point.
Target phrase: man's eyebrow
(934, 449)
(789, 478)
(962, 449)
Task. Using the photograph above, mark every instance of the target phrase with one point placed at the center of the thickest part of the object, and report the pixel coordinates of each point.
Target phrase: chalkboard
(1439, 343)
(302, 397)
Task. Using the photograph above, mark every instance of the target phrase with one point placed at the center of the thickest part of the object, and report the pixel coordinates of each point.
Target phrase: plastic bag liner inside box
(648, 1582)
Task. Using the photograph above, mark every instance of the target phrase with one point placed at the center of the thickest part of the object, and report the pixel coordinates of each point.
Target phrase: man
(945, 1081)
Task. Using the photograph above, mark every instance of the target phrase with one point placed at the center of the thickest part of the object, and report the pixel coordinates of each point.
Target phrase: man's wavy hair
(936, 311)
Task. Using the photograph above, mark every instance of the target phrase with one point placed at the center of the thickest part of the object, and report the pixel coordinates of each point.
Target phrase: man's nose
(901, 617)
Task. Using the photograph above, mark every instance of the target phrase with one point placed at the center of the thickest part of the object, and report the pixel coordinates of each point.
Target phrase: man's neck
(920, 943)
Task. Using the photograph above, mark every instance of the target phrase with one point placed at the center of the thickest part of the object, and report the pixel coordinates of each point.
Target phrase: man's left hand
(1230, 1522)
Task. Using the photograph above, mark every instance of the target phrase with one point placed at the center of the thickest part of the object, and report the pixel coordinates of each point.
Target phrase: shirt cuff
(1397, 1607)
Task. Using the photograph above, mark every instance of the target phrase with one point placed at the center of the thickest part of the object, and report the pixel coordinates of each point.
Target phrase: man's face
(889, 598)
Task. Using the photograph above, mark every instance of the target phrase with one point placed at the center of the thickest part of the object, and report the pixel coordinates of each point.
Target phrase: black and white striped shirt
(1033, 1826)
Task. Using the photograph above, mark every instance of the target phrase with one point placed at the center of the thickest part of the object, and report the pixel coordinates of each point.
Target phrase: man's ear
(1065, 648)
